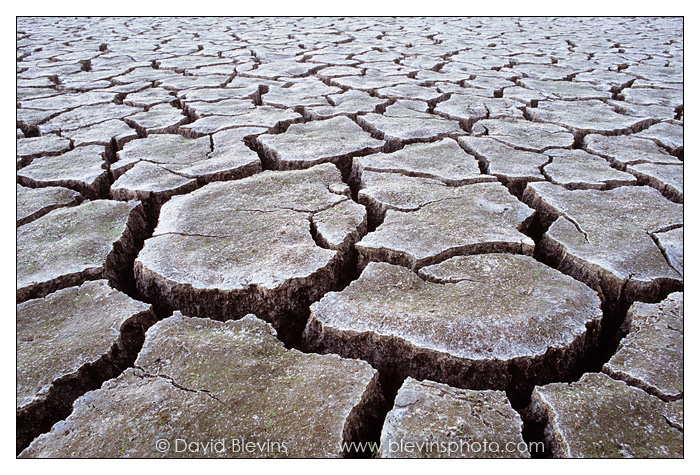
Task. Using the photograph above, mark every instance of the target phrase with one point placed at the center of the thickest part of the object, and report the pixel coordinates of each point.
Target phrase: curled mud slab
(113, 133)
(566, 90)
(606, 238)
(492, 204)
(68, 343)
(33, 203)
(158, 167)
(408, 126)
(303, 93)
(650, 357)
(85, 116)
(264, 116)
(599, 417)
(162, 150)
(579, 170)
(491, 321)
(668, 179)
(514, 168)
(469, 105)
(225, 107)
(586, 117)
(151, 184)
(83, 169)
(433, 420)
(443, 160)
(668, 135)
(149, 97)
(159, 119)
(30, 148)
(671, 244)
(348, 103)
(471, 219)
(306, 145)
(624, 150)
(232, 385)
(252, 245)
(68, 246)
(524, 134)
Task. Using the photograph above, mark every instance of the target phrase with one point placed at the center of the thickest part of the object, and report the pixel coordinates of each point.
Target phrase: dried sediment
(605, 238)
(650, 356)
(306, 145)
(68, 246)
(628, 421)
(491, 321)
(252, 245)
(83, 169)
(68, 343)
(205, 382)
(158, 167)
(443, 160)
(433, 420)
(437, 126)
(471, 219)
(33, 203)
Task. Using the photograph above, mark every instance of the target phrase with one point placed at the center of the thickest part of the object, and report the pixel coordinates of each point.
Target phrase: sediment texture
(477, 216)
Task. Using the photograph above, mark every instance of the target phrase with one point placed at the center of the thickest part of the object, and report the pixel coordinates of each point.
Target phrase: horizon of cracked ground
(350, 237)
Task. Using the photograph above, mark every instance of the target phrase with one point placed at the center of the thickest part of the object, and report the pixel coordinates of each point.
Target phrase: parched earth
(350, 237)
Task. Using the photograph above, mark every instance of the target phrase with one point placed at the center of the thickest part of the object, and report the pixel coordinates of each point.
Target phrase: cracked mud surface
(217, 379)
(446, 329)
(342, 237)
(651, 355)
(428, 411)
(91, 334)
(629, 422)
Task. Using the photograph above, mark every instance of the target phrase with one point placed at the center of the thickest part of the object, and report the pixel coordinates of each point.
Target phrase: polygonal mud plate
(68, 246)
(605, 238)
(599, 417)
(470, 219)
(651, 355)
(484, 321)
(433, 420)
(306, 145)
(209, 389)
(254, 244)
(68, 343)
